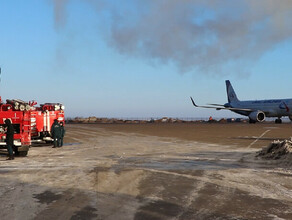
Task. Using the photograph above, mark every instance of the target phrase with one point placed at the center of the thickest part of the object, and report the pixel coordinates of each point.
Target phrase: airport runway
(151, 171)
(239, 134)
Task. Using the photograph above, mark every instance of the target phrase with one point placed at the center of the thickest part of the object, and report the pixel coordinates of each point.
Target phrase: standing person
(63, 131)
(9, 139)
(56, 133)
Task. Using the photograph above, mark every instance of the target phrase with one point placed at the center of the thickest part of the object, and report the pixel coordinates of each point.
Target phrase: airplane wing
(216, 105)
(219, 107)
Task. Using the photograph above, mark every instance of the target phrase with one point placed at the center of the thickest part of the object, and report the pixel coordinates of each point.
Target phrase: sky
(144, 58)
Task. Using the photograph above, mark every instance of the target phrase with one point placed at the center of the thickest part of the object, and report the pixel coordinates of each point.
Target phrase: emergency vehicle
(30, 123)
(42, 119)
(18, 112)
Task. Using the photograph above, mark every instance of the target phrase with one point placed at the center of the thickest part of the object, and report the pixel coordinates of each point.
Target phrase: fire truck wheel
(22, 153)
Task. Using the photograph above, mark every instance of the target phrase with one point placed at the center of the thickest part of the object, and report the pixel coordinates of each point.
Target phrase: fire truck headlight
(62, 107)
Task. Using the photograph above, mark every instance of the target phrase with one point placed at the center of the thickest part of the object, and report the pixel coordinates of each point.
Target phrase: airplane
(256, 110)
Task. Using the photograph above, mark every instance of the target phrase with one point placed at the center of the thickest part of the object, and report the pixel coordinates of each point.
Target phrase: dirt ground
(150, 171)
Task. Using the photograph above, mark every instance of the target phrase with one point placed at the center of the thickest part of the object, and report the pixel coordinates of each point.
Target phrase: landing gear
(278, 121)
(252, 121)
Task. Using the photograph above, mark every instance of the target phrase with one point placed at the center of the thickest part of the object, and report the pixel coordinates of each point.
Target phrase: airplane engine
(258, 116)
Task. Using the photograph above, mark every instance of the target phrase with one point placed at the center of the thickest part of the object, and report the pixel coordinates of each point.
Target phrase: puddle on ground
(47, 197)
(85, 213)
(158, 210)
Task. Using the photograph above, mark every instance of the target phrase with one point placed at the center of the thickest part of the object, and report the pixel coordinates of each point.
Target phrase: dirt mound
(278, 150)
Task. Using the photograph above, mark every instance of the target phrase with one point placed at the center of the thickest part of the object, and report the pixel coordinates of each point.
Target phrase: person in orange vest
(210, 118)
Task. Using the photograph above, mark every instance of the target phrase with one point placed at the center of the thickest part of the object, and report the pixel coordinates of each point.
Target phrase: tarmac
(151, 171)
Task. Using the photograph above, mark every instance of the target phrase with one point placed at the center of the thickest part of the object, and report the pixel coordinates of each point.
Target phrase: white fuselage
(271, 107)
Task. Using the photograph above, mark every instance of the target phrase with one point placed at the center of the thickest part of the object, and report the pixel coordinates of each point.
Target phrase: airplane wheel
(278, 121)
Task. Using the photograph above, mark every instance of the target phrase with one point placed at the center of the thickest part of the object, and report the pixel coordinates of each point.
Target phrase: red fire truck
(30, 123)
(42, 119)
(19, 114)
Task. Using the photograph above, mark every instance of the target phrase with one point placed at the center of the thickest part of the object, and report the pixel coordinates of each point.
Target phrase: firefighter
(9, 139)
(63, 131)
(56, 133)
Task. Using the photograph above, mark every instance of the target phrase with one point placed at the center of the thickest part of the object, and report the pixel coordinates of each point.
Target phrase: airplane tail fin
(231, 95)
